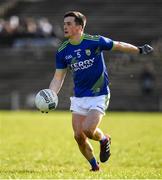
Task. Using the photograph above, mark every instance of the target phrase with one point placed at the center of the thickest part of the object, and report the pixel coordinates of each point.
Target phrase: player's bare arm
(58, 80)
(129, 48)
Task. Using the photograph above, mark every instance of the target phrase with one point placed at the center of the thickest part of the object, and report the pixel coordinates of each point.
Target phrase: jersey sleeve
(60, 62)
(105, 43)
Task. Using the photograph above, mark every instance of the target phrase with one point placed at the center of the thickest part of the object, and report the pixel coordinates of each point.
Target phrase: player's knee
(80, 138)
(89, 132)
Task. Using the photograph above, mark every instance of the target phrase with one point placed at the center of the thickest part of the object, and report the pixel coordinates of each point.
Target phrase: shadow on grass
(23, 171)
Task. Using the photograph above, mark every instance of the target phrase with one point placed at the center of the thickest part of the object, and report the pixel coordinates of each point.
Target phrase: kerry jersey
(86, 62)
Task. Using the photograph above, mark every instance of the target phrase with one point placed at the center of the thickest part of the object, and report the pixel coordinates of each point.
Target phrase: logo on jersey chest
(88, 52)
(68, 57)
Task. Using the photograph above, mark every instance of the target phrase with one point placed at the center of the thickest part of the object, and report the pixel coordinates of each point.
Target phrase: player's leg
(90, 125)
(90, 128)
(82, 140)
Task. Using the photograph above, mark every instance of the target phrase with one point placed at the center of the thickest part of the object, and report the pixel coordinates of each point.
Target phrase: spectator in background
(8, 31)
(147, 79)
(14, 22)
(22, 32)
(2, 22)
(31, 27)
(45, 27)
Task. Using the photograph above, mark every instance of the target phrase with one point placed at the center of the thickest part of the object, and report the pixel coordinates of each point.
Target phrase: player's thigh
(92, 120)
(77, 122)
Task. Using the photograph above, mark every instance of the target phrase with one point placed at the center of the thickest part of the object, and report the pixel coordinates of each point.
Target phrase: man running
(83, 55)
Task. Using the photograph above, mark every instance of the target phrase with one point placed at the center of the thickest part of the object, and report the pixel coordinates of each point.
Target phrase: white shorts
(84, 104)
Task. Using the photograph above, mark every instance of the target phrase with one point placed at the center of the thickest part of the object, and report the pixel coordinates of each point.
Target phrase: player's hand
(43, 112)
(146, 49)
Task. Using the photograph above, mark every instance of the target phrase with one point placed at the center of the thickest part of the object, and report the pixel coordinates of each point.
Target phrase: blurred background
(31, 31)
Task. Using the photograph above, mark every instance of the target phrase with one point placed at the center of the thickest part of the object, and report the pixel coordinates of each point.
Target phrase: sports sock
(93, 162)
(103, 139)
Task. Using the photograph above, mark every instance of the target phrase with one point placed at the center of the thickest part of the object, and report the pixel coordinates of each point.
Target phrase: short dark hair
(80, 19)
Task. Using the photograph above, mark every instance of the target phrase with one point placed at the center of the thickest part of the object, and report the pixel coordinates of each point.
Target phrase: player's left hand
(43, 112)
(146, 49)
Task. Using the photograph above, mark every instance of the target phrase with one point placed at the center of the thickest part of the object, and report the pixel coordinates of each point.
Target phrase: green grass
(35, 145)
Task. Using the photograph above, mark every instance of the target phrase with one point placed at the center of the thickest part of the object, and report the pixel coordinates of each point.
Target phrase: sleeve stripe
(63, 46)
(92, 39)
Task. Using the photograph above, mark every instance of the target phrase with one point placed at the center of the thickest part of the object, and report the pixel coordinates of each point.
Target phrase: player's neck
(76, 39)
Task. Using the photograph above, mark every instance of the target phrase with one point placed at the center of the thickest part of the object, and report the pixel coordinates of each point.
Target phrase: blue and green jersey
(87, 64)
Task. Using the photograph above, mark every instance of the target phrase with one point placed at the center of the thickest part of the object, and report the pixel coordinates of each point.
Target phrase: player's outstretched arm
(58, 80)
(129, 48)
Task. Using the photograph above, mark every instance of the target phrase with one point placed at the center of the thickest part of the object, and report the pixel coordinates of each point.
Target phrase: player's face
(70, 27)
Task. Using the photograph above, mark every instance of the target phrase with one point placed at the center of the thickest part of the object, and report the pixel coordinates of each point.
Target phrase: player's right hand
(146, 49)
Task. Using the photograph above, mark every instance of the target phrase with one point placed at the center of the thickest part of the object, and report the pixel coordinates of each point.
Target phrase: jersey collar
(77, 43)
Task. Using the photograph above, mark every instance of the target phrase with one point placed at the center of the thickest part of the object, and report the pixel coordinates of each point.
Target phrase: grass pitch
(35, 145)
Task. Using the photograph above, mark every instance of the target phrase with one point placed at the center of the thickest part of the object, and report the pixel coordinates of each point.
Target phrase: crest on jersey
(88, 52)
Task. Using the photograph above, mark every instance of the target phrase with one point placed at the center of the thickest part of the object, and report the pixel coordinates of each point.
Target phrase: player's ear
(81, 28)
